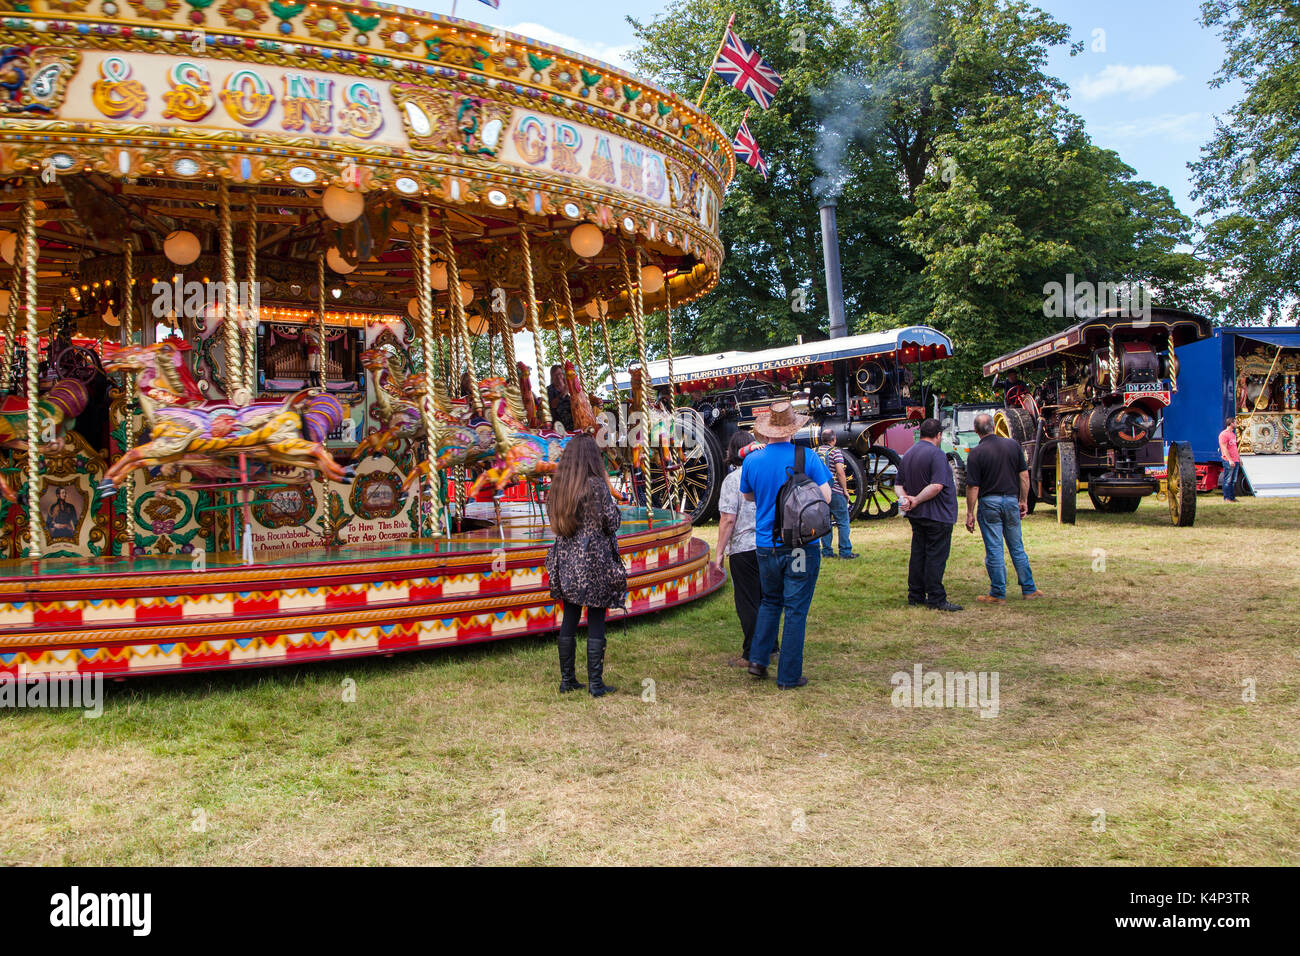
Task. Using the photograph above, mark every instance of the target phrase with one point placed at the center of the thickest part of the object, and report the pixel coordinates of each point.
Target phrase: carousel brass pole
(578, 360)
(609, 351)
(638, 330)
(30, 252)
(668, 322)
(538, 347)
(508, 351)
(15, 300)
(253, 299)
(128, 333)
(234, 363)
(424, 292)
(460, 332)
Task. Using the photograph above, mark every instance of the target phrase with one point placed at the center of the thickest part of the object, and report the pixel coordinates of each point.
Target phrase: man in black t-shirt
(929, 500)
(997, 478)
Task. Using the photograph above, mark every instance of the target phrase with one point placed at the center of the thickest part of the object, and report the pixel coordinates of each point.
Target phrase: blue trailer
(1249, 374)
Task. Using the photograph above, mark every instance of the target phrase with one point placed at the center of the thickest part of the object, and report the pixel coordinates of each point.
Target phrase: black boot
(568, 646)
(596, 667)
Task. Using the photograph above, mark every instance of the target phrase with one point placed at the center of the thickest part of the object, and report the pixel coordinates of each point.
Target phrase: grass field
(1122, 693)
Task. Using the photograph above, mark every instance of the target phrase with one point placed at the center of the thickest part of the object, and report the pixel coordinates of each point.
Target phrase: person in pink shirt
(1231, 460)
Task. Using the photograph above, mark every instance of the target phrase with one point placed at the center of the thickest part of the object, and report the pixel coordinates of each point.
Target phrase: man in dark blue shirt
(929, 500)
(787, 576)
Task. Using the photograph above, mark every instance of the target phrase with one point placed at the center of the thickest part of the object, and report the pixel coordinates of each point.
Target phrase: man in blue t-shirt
(788, 576)
(929, 500)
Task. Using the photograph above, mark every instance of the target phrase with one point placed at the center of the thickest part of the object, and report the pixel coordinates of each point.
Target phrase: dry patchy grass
(1121, 692)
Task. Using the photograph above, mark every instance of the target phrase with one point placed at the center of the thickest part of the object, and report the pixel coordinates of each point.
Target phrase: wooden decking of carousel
(156, 614)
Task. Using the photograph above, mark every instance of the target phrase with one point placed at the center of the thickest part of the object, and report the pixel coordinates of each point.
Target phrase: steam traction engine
(858, 386)
(1094, 419)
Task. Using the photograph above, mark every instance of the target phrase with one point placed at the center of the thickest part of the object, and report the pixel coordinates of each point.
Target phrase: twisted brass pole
(251, 315)
(15, 301)
(538, 347)
(459, 329)
(578, 360)
(638, 330)
(30, 252)
(128, 334)
(320, 314)
(423, 289)
(668, 321)
(234, 364)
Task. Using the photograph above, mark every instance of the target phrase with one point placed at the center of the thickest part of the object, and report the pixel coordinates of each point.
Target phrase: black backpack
(802, 514)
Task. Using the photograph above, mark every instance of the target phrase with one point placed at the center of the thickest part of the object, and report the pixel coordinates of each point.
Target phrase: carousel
(264, 265)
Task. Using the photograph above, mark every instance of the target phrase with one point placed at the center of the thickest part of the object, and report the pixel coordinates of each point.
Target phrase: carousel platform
(157, 614)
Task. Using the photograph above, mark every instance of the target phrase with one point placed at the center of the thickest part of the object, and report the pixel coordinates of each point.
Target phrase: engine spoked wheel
(695, 482)
(1181, 481)
(1113, 504)
(1067, 483)
(879, 474)
(856, 478)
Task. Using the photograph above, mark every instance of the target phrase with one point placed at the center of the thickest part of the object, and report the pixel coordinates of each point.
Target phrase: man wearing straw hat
(787, 575)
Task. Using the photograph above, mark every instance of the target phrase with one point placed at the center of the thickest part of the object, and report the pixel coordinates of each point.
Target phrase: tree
(1248, 176)
(963, 183)
(1023, 199)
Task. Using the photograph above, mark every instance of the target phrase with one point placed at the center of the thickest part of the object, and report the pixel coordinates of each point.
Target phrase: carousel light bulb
(592, 308)
(652, 279)
(334, 259)
(438, 276)
(466, 293)
(4, 300)
(8, 246)
(413, 307)
(181, 247)
(343, 205)
(478, 325)
(587, 240)
(336, 292)
(111, 319)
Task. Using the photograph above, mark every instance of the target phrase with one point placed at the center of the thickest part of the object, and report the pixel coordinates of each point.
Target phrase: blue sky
(1146, 96)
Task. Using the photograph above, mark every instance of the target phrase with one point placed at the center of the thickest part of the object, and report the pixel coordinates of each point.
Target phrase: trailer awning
(697, 368)
(1287, 338)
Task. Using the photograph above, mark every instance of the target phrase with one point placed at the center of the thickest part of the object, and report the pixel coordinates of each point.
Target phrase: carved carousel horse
(520, 453)
(187, 430)
(584, 418)
(57, 409)
(526, 396)
(399, 417)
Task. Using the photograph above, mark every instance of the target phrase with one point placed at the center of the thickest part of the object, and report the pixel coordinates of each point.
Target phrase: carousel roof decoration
(131, 113)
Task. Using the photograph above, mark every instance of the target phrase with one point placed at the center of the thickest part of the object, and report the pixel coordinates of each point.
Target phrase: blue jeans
(999, 517)
(1228, 481)
(840, 520)
(788, 579)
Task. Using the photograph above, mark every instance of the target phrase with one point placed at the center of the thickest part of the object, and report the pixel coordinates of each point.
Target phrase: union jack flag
(745, 70)
(747, 148)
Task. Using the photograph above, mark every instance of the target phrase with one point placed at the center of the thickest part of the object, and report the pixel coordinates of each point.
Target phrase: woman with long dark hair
(583, 564)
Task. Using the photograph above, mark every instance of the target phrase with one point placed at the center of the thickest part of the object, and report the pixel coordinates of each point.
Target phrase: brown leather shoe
(1036, 594)
(990, 599)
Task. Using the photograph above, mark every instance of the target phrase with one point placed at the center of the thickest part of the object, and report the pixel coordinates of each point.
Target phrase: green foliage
(963, 183)
(1248, 177)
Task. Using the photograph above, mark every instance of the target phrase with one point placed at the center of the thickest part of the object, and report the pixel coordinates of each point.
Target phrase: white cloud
(1139, 82)
(1172, 127)
(615, 55)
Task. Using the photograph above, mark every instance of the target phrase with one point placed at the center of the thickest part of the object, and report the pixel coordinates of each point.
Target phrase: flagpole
(714, 61)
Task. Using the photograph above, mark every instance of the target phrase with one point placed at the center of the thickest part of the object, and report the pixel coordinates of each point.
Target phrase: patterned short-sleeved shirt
(732, 502)
(833, 456)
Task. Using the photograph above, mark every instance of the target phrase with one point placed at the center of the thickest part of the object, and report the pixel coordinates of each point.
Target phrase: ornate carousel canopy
(327, 127)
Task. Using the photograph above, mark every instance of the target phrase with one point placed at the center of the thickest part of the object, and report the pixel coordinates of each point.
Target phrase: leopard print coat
(586, 569)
